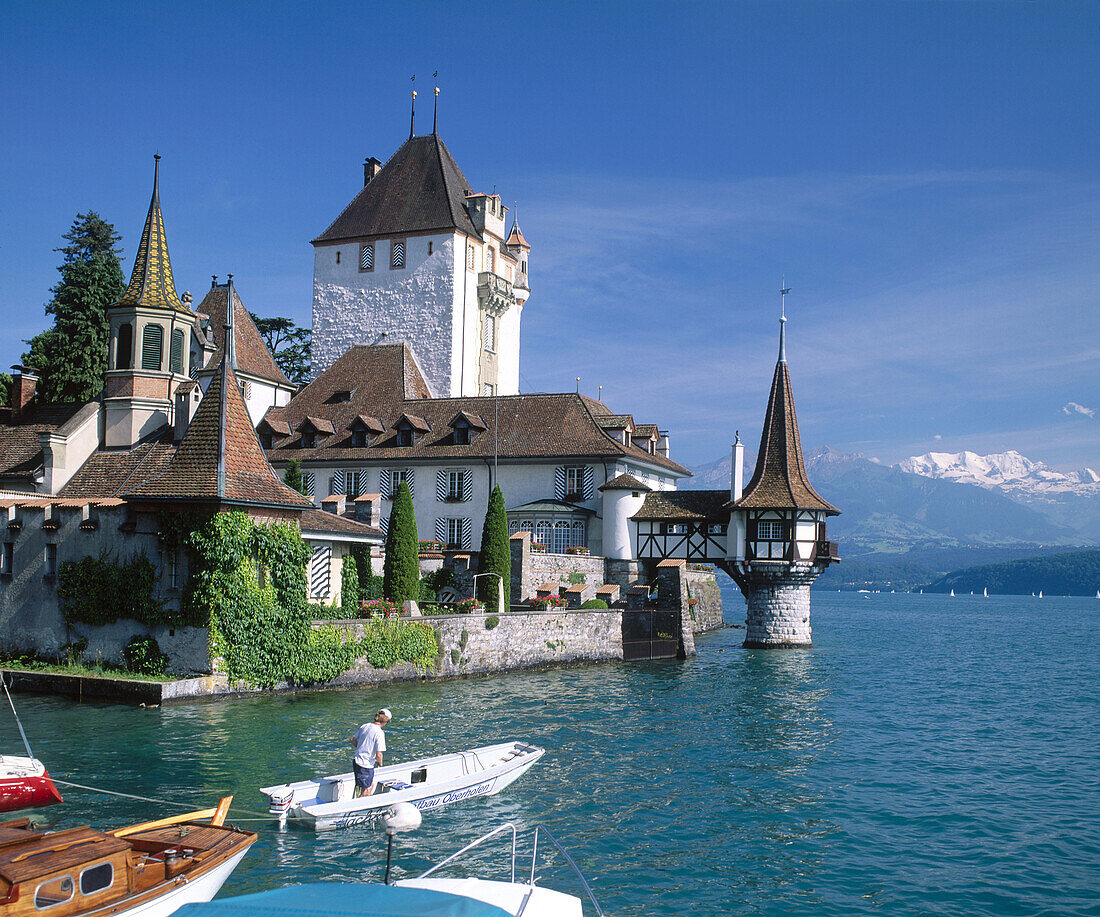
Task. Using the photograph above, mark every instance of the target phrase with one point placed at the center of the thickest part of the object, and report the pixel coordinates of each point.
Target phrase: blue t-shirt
(369, 740)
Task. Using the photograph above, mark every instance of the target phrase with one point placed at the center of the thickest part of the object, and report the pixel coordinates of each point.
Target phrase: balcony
(827, 552)
(494, 294)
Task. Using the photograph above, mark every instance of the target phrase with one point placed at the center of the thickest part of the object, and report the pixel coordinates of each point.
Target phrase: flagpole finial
(435, 116)
(783, 291)
(412, 117)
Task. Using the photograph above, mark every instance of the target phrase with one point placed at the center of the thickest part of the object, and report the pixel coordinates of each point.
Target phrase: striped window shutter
(441, 485)
(366, 258)
(308, 482)
(319, 570)
(441, 531)
(385, 484)
(467, 487)
(384, 525)
(589, 483)
(338, 485)
(152, 346)
(411, 481)
(467, 536)
(559, 482)
(397, 253)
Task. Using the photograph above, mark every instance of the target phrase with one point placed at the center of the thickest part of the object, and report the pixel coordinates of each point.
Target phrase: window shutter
(441, 531)
(152, 342)
(319, 569)
(175, 360)
(467, 538)
(366, 258)
(559, 482)
(397, 254)
(385, 484)
(384, 525)
(589, 483)
(467, 487)
(308, 481)
(337, 485)
(441, 485)
(409, 479)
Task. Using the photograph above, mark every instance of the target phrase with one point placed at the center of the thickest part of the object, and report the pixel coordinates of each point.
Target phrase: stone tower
(777, 542)
(418, 257)
(154, 342)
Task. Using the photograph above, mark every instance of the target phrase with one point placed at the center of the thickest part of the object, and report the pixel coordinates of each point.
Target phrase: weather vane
(783, 291)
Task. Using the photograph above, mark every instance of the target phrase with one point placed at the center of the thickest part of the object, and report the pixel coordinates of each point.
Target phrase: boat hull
(24, 784)
(507, 763)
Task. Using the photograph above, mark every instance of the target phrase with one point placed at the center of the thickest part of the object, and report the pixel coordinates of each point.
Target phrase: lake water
(928, 756)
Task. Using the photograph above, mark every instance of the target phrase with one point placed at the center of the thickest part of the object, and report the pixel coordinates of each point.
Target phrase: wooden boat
(430, 783)
(145, 870)
(24, 783)
(468, 896)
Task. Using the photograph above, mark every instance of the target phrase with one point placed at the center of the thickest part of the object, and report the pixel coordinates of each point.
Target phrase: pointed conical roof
(151, 283)
(780, 480)
(515, 237)
(421, 188)
(220, 458)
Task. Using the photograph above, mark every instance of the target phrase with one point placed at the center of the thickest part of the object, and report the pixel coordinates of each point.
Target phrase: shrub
(548, 601)
(349, 587)
(496, 553)
(595, 603)
(401, 572)
(293, 476)
(468, 605)
(143, 655)
(492, 621)
(378, 608)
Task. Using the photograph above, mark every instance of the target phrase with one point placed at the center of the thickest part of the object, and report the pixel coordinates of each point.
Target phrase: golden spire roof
(151, 283)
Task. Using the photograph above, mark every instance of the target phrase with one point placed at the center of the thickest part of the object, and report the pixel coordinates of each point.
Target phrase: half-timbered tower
(777, 544)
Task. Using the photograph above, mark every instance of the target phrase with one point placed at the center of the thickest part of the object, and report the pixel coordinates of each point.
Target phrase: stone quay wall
(779, 605)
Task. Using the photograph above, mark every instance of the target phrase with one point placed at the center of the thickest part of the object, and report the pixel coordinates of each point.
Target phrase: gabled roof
(366, 422)
(413, 422)
(780, 480)
(320, 424)
(250, 351)
(616, 422)
(220, 459)
(420, 188)
(151, 283)
(470, 420)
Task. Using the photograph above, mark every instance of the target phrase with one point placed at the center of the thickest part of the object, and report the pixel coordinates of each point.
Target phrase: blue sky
(926, 175)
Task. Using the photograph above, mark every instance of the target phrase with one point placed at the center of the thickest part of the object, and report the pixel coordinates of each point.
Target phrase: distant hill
(1076, 573)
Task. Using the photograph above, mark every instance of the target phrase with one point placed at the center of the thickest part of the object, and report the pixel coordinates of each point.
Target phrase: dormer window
(466, 426)
(267, 440)
(363, 428)
(462, 435)
(339, 397)
(407, 427)
(309, 438)
(309, 429)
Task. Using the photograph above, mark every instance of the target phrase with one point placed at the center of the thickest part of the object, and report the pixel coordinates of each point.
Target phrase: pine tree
(496, 554)
(71, 357)
(401, 571)
(5, 389)
(293, 476)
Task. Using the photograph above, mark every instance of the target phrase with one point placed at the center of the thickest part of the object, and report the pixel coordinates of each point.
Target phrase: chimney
(335, 504)
(371, 167)
(368, 509)
(662, 443)
(188, 396)
(737, 469)
(24, 384)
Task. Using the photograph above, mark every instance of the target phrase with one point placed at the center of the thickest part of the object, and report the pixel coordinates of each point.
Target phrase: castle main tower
(777, 541)
(418, 257)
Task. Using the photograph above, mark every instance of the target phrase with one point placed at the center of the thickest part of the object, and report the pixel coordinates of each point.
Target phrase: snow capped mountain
(1008, 472)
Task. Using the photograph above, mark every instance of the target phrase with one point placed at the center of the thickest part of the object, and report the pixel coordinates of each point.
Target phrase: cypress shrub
(401, 571)
(293, 476)
(496, 554)
(349, 587)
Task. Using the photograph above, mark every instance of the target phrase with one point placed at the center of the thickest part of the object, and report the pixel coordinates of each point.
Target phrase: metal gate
(650, 633)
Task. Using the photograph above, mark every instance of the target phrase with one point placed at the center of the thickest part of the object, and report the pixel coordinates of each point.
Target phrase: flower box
(577, 550)
(430, 546)
(471, 606)
(537, 548)
(542, 603)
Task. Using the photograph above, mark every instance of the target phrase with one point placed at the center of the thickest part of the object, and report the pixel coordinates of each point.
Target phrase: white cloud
(1072, 407)
(938, 437)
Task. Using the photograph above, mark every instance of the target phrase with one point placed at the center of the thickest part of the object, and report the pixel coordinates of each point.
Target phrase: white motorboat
(468, 896)
(429, 783)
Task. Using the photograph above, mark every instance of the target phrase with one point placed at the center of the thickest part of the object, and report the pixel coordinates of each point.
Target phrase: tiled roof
(109, 473)
(624, 482)
(151, 283)
(220, 458)
(616, 422)
(377, 378)
(780, 480)
(698, 505)
(515, 237)
(317, 520)
(474, 420)
(20, 448)
(645, 431)
(251, 352)
(421, 188)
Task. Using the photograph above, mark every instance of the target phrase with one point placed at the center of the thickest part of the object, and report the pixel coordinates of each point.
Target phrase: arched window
(578, 535)
(124, 348)
(175, 357)
(542, 534)
(152, 347)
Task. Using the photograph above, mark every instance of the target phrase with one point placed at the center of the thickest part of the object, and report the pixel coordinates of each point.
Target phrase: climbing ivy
(251, 581)
(96, 590)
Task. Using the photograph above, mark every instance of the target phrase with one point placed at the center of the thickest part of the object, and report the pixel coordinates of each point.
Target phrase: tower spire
(435, 117)
(151, 283)
(783, 291)
(230, 337)
(412, 117)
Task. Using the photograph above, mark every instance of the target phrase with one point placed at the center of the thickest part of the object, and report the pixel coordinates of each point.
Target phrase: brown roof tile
(317, 520)
(420, 188)
(697, 505)
(780, 480)
(624, 482)
(220, 458)
(109, 473)
(251, 352)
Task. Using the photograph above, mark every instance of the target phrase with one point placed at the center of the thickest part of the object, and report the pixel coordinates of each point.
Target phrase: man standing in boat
(369, 742)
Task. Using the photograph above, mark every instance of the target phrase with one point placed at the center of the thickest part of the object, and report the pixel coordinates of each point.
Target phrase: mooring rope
(159, 802)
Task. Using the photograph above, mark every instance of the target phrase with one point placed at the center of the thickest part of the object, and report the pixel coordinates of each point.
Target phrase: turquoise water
(928, 756)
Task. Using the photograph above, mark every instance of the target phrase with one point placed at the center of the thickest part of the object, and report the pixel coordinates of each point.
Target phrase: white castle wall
(415, 304)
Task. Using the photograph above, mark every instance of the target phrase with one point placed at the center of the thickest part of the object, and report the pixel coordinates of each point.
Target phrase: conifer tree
(293, 476)
(71, 357)
(5, 390)
(496, 554)
(401, 571)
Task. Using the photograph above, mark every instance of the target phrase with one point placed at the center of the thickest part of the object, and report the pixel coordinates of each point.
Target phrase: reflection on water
(923, 758)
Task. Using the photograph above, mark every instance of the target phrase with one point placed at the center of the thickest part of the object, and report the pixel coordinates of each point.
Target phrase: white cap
(385, 711)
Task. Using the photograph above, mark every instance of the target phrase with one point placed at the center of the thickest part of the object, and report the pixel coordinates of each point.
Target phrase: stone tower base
(778, 596)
